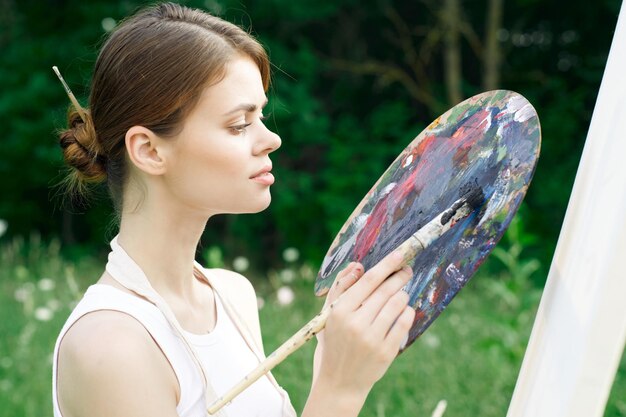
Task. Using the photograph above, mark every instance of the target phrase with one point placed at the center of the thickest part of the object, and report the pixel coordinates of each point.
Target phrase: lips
(265, 170)
(264, 176)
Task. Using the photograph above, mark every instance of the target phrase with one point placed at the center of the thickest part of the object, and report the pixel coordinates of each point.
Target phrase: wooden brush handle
(303, 335)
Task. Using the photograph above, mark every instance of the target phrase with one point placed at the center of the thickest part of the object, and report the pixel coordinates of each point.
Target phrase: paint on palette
(491, 140)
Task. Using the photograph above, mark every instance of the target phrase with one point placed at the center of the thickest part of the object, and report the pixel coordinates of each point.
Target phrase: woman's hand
(364, 331)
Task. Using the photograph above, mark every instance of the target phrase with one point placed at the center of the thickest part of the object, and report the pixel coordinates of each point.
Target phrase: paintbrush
(427, 234)
(415, 244)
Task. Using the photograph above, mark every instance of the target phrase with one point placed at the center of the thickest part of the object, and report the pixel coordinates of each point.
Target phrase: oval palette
(491, 140)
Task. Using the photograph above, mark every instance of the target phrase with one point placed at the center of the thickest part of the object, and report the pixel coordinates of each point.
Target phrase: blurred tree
(492, 57)
(354, 82)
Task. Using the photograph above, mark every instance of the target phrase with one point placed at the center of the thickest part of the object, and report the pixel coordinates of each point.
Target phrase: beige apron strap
(127, 273)
(245, 329)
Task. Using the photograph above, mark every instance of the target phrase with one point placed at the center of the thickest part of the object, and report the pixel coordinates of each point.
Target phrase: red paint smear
(419, 315)
(367, 236)
(427, 168)
(425, 144)
(469, 133)
(436, 296)
(403, 189)
(500, 115)
(461, 140)
(474, 123)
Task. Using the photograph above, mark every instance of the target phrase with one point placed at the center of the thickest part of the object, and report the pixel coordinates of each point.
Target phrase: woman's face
(219, 162)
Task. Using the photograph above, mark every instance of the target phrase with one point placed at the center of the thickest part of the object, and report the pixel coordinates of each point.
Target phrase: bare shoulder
(233, 281)
(109, 365)
(241, 293)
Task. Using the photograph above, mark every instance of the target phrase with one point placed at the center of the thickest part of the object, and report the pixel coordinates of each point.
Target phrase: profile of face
(219, 162)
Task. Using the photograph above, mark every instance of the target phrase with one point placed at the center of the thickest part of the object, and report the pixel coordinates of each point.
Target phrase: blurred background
(354, 81)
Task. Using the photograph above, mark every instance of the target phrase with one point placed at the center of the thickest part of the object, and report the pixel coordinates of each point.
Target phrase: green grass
(470, 356)
(462, 358)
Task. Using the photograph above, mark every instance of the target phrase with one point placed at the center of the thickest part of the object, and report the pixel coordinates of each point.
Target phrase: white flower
(291, 254)
(307, 273)
(431, 340)
(53, 304)
(285, 296)
(43, 313)
(46, 284)
(241, 264)
(108, 24)
(3, 226)
(21, 294)
(454, 320)
(287, 275)
(260, 302)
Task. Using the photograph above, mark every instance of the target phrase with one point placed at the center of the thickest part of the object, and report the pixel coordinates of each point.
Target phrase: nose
(268, 141)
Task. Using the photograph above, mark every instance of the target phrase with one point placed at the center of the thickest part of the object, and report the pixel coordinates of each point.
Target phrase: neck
(163, 242)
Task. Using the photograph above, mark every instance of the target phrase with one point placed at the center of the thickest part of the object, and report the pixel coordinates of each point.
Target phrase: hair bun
(81, 150)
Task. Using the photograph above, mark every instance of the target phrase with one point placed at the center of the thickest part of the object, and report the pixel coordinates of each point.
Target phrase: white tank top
(225, 355)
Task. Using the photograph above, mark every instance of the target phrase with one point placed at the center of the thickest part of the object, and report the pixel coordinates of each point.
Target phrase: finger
(372, 279)
(345, 271)
(349, 280)
(333, 290)
(398, 334)
(373, 305)
(389, 313)
(348, 276)
(344, 280)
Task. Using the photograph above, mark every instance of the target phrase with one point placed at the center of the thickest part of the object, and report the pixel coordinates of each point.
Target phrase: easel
(580, 329)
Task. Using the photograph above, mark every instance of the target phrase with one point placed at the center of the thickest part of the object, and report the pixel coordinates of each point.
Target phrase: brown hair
(150, 72)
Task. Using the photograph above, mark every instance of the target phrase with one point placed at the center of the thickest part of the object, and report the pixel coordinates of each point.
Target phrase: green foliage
(616, 404)
(518, 269)
(512, 290)
(38, 290)
(342, 122)
(213, 257)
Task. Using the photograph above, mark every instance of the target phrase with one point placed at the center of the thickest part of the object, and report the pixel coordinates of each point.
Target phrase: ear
(143, 150)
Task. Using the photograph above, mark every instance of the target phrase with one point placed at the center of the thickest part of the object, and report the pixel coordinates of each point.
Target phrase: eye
(239, 129)
(264, 118)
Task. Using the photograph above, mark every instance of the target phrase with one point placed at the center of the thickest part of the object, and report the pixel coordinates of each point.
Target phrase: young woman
(175, 127)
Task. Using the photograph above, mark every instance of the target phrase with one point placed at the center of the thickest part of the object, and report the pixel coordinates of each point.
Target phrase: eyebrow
(248, 107)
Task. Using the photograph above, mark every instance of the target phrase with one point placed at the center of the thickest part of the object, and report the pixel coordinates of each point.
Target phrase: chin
(254, 206)
(263, 206)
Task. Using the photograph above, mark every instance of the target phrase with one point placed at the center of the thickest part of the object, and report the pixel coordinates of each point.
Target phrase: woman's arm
(109, 365)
